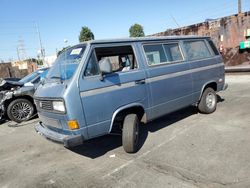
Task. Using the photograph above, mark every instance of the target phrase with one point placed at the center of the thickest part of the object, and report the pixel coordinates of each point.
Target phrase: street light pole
(42, 51)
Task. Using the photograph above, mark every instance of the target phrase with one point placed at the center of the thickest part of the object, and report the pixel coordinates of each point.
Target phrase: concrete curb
(236, 69)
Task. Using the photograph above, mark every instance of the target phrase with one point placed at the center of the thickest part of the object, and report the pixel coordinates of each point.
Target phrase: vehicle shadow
(219, 99)
(5, 120)
(2, 121)
(99, 146)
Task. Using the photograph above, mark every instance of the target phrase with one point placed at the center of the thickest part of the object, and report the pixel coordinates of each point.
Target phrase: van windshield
(66, 63)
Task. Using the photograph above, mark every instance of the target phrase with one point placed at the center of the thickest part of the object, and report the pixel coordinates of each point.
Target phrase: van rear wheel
(208, 102)
(130, 133)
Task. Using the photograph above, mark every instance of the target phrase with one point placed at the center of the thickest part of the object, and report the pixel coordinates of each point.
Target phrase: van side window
(196, 49)
(122, 58)
(173, 52)
(155, 54)
(215, 50)
(92, 67)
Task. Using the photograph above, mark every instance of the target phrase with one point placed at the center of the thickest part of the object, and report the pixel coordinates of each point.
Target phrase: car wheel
(20, 110)
(130, 133)
(208, 102)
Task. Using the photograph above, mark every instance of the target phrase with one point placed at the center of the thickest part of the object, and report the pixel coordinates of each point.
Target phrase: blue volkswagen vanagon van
(104, 86)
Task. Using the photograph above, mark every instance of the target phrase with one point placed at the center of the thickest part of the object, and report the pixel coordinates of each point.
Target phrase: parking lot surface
(182, 149)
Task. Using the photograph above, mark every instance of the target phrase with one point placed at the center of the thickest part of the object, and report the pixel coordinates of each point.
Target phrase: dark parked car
(12, 79)
(16, 97)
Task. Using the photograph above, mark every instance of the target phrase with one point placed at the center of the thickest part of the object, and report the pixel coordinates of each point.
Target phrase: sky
(58, 20)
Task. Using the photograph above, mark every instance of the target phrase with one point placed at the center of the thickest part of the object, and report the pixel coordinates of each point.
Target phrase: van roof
(141, 39)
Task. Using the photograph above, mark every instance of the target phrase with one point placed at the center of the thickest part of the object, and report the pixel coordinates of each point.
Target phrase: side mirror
(105, 66)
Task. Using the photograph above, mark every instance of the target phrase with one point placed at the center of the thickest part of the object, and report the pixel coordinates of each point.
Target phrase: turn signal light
(73, 124)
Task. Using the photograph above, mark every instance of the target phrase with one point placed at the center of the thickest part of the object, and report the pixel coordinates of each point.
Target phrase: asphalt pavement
(182, 149)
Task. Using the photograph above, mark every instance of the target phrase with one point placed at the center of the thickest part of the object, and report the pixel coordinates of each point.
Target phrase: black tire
(130, 133)
(20, 110)
(208, 102)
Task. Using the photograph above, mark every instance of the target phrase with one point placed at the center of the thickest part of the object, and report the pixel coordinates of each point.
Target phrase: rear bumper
(67, 140)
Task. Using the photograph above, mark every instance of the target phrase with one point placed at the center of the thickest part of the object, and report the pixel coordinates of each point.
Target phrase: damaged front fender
(10, 90)
(4, 96)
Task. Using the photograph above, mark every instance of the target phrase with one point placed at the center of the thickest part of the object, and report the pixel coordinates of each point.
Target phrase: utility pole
(42, 51)
(239, 6)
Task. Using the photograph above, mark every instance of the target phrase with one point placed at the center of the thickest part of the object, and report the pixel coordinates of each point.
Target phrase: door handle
(143, 81)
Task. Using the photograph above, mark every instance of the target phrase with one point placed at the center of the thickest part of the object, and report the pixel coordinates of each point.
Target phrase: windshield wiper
(57, 77)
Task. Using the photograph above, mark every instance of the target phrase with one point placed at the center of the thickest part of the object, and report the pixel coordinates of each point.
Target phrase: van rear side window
(163, 53)
(215, 50)
(173, 52)
(155, 54)
(196, 49)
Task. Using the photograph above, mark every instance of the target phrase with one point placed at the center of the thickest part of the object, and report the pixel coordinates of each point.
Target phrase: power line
(21, 33)
(174, 20)
(22, 29)
(16, 27)
(217, 11)
(208, 10)
(12, 49)
(229, 9)
(15, 21)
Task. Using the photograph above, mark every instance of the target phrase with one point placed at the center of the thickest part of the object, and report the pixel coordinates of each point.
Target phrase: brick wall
(8, 70)
(227, 31)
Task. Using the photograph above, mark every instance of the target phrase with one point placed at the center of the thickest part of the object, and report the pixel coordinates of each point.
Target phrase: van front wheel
(130, 133)
(208, 102)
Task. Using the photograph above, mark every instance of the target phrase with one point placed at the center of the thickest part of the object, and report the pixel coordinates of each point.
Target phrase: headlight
(59, 106)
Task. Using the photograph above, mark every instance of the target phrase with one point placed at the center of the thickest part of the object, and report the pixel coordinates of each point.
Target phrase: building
(17, 69)
(30, 65)
(8, 71)
(226, 32)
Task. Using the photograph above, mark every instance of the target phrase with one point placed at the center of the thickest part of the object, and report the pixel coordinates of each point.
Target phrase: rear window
(196, 49)
(162, 53)
(215, 50)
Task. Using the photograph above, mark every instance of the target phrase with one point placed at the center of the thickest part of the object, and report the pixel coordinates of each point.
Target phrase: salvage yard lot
(182, 149)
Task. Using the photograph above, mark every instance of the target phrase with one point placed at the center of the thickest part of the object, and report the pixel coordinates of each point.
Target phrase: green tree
(86, 34)
(136, 30)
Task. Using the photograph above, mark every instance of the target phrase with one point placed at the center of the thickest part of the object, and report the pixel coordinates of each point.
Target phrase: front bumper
(67, 140)
(225, 86)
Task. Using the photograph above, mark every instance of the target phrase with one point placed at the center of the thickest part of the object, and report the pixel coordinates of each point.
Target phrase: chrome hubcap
(21, 111)
(210, 100)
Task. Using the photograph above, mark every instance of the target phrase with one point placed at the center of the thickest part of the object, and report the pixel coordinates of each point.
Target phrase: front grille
(44, 104)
